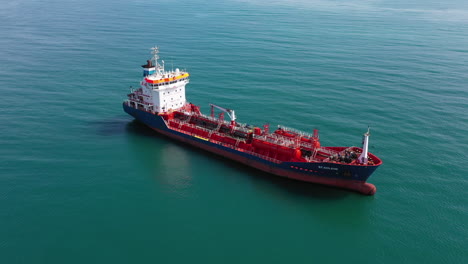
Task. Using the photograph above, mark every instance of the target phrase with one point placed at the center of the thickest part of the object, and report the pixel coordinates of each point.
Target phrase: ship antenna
(155, 51)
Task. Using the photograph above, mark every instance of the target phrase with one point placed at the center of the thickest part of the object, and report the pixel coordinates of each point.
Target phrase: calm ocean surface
(81, 182)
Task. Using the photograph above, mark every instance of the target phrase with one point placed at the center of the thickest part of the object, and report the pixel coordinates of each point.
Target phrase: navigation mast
(155, 52)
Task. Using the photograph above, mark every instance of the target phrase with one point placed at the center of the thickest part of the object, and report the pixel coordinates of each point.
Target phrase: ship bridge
(163, 90)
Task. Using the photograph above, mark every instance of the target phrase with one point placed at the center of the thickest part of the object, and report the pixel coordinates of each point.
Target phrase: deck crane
(230, 112)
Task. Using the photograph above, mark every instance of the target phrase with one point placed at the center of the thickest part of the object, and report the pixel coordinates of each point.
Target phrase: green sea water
(82, 182)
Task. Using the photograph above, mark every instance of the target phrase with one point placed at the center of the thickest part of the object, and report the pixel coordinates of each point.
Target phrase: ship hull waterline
(157, 124)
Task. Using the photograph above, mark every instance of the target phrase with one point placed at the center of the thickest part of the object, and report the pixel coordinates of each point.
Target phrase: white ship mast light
(363, 158)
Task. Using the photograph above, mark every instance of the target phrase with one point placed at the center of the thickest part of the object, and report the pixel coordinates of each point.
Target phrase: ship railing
(297, 131)
(215, 130)
(138, 92)
(278, 140)
(136, 100)
(227, 123)
(179, 126)
(247, 151)
(242, 129)
(185, 116)
(228, 145)
(212, 118)
(217, 120)
(260, 156)
(245, 126)
(178, 122)
(205, 129)
(200, 128)
(182, 122)
(328, 151)
(306, 145)
(278, 137)
(223, 122)
(186, 113)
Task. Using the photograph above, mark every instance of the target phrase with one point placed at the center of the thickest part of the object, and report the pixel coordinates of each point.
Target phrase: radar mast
(155, 52)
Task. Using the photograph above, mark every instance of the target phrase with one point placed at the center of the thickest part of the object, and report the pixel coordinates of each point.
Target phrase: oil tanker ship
(160, 104)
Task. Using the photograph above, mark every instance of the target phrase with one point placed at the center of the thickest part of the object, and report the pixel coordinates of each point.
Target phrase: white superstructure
(160, 90)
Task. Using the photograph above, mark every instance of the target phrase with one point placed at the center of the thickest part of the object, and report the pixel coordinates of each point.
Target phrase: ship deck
(282, 145)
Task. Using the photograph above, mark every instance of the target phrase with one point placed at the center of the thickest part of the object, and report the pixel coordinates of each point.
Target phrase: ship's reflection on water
(160, 158)
(174, 169)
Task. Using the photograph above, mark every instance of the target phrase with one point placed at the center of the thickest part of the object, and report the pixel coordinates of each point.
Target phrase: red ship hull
(351, 176)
